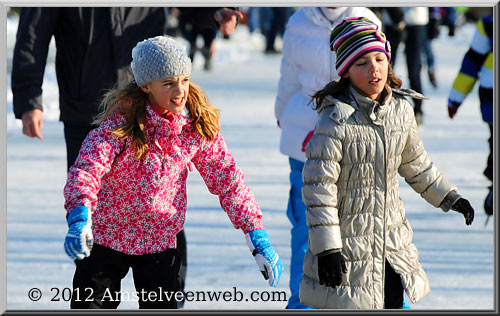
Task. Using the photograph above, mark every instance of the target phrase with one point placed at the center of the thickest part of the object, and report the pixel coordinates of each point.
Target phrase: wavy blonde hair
(131, 101)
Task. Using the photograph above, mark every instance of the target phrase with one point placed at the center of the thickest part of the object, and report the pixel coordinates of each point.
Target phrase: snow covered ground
(459, 260)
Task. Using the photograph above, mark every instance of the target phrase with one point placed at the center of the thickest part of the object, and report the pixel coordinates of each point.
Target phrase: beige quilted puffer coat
(351, 192)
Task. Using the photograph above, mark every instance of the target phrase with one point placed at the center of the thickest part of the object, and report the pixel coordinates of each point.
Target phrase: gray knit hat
(158, 58)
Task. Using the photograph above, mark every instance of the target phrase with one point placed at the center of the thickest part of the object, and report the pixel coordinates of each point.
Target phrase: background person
(478, 63)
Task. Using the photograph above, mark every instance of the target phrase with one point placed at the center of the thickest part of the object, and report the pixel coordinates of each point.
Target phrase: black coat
(94, 48)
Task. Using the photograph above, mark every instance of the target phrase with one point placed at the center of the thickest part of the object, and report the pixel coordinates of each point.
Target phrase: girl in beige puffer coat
(361, 253)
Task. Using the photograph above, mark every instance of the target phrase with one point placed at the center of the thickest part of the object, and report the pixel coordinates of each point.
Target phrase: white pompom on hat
(158, 58)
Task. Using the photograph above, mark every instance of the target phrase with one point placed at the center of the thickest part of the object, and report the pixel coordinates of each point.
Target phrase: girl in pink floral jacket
(126, 193)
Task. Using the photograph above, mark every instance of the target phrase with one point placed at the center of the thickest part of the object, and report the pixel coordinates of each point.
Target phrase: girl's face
(169, 94)
(368, 74)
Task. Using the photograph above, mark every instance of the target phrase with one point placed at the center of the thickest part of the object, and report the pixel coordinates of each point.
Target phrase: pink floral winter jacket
(139, 206)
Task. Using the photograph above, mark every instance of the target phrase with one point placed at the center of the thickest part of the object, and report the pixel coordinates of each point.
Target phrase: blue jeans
(296, 213)
(429, 54)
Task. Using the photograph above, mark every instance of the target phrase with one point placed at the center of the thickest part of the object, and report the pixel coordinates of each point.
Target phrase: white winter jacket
(351, 191)
(306, 67)
(416, 15)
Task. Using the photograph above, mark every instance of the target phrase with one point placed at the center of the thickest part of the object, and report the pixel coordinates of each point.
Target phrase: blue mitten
(79, 239)
(266, 257)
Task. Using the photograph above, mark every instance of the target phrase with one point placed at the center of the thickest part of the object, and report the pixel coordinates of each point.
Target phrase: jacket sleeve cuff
(449, 200)
(26, 100)
(324, 238)
(255, 225)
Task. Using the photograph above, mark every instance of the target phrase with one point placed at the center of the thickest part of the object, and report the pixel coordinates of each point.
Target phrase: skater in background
(416, 20)
(449, 18)
(191, 31)
(126, 192)
(86, 37)
(432, 32)
(307, 65)
(360, 253)
(274, 25)
(478, 63)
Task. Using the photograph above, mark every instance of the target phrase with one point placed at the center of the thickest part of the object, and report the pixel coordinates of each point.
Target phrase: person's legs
(277, 23)
(265, 18)
(190, 33)
(74, 137)
(429, 57)
(413, 50)
(488, 172)
(156, 279)
(182, 251)
(208, 47)
(97, 279)
(450, 19)
(393, 290)
(394, 36)
(253, 19)
(296, 213)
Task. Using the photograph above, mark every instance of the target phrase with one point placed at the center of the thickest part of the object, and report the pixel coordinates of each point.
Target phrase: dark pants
(415, 37)
(394, 36)
(393, 290)
(74, 136)
(488, 172)
(191, 32)
(97, 279)
(278, 22)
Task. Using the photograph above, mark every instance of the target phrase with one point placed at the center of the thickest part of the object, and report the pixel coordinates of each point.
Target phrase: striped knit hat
(354, 37)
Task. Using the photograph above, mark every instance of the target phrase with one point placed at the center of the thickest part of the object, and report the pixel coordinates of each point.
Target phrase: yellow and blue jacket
(477, 63)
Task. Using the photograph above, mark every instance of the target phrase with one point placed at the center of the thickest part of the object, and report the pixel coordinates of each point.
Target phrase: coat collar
(368, 105)
(162, 127)
(373, 109)
(353, 101)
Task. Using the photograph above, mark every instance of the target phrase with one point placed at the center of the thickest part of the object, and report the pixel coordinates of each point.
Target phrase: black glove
(330, 269)
(463, 206)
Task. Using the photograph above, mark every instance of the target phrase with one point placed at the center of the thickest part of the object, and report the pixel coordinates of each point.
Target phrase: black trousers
(97, 279)
(414, 43)
(74, 136)
(488, 171)
(413, 37)
(393, 290)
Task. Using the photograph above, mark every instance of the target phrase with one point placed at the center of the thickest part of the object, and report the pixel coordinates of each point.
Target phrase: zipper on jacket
(379, 129)
(385, 209)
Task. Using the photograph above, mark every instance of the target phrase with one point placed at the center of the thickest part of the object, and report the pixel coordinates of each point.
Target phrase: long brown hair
(131, 101)
(336, 88)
